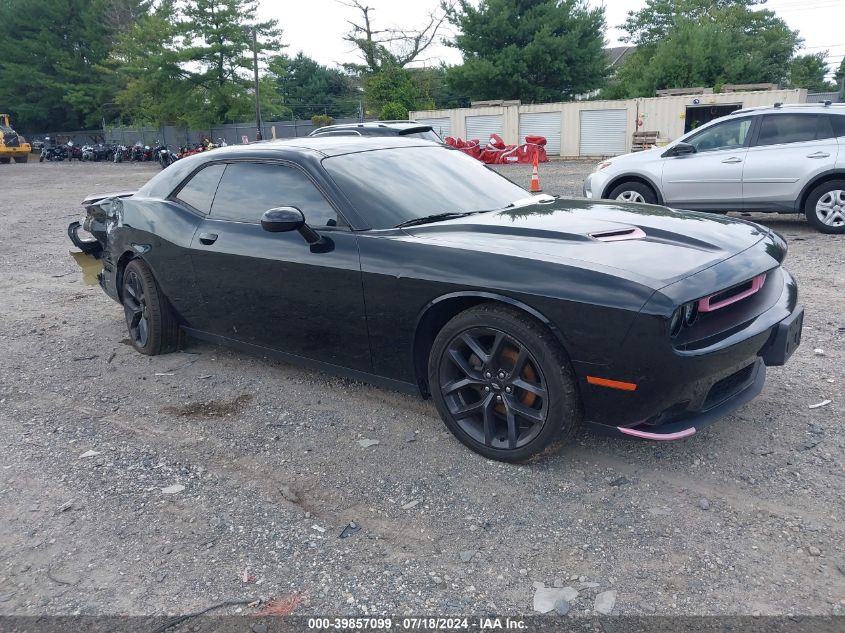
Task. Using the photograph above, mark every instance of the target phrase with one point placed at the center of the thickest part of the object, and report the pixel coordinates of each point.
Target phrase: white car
(780, 158)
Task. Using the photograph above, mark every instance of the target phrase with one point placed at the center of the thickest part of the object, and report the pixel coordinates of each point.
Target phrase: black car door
(273, 289)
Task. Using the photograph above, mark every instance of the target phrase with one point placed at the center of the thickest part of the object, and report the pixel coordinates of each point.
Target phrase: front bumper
(696, 391)
(594, 185)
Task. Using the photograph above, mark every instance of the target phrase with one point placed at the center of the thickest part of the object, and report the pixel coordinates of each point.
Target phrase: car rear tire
(503, 384)
(5, 161)
(825, 207)
(150, 319)
(633, 191)
(21, 159)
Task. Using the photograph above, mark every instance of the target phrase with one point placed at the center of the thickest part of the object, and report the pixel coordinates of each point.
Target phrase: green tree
(543, 50)
(148, 65)
(685, 43)
(392, 111)
(51, 53)
(393, 84)
(307, 87)
(808, 71)
(217, 57)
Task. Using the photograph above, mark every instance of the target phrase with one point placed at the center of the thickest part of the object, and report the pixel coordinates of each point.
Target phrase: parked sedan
(773, 158)
(401, 263)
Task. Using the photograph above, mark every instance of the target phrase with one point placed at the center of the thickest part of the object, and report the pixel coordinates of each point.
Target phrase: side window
(838, 121)
(726, 135)
(787, 128)
(247, 190)
(198, 192)
(824, 128)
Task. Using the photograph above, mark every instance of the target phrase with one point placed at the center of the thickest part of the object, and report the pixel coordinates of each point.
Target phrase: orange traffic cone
(535, 175)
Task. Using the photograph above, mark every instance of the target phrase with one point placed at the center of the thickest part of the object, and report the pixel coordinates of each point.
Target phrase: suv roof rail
(783, 106)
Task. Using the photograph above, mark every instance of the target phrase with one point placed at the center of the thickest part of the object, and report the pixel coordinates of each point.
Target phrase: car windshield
(391, 186)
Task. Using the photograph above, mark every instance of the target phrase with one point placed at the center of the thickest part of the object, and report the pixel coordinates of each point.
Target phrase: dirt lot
(742, 518)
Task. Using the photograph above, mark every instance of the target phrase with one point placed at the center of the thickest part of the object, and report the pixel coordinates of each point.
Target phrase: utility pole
(258, 135)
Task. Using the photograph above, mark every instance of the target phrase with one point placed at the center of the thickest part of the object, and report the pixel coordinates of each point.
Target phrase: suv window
(247, 190)
(776, 129)
(198, 192)
(838, 121)
(726, 135)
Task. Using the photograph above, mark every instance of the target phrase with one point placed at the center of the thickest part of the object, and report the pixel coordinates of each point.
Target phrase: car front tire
(633, 191)
(825, 207)
(503, 384)
(151, 321)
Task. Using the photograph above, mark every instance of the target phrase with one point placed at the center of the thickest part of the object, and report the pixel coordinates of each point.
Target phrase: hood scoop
(619, 235)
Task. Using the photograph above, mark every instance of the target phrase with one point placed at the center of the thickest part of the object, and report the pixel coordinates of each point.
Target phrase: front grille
(728, 387)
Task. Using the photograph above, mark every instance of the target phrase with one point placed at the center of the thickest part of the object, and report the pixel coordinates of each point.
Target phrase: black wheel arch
(831, 174)
(122, 263)
(617, 180)
(436, 313)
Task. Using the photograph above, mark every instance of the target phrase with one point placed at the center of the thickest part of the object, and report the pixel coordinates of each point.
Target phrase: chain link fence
(177, 136)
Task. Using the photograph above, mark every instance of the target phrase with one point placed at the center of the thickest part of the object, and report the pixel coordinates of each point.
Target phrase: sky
(316, 27)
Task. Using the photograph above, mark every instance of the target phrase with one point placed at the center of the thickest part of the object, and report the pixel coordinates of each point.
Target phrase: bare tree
(391, 46)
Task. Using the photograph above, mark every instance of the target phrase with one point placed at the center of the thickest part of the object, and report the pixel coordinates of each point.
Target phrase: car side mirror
(680, 149)
(286, 219)
(282, 220)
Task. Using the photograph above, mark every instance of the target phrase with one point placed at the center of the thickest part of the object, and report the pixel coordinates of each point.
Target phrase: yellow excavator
(12, 144)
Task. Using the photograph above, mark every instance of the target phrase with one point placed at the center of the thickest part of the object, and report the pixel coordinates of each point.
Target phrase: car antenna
(778, 104)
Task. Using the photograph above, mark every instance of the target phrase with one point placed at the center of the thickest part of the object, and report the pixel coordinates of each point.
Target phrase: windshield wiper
(437, 217)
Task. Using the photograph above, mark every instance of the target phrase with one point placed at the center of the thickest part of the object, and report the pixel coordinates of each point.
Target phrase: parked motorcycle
(88, 152)
(121, 153)
(163, 155)
(51, 152)
(72, 151)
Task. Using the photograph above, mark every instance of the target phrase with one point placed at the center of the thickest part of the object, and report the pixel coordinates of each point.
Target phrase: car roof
(391, 125)
(811, 108)
(325, 145)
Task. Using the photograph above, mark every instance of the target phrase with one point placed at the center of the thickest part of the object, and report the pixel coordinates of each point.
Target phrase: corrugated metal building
(597, 128)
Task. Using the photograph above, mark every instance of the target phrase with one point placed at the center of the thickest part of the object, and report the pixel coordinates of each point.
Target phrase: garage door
(603, 132)
(541, 124)
(443, 126)
(481, 127)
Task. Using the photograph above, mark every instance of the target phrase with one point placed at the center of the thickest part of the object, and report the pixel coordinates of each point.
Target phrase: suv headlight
(602, 165)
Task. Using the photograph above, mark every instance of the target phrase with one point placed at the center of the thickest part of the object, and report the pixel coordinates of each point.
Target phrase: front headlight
(602, 165)
(683, 317)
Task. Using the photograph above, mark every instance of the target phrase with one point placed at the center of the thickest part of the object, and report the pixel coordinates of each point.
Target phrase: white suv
(782, 158)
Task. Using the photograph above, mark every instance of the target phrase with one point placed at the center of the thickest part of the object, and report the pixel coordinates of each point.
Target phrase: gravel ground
(138, 485)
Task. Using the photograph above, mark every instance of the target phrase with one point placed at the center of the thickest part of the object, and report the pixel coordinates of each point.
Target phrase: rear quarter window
(838, 121)
(198, 192)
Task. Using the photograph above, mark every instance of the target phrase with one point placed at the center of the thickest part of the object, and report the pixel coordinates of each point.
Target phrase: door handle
(818, 155)
(208, 238)
(732, 160)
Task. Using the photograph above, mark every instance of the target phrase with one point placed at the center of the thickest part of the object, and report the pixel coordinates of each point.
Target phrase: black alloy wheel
(136, 310)
(151, 322)
(502, 383)
(493, 388)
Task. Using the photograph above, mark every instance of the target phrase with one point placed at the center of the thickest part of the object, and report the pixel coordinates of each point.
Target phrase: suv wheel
(825, 207)
(633, 191)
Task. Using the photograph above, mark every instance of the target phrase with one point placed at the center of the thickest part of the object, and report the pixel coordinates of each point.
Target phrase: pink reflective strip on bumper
(658, 436)
(704, 304)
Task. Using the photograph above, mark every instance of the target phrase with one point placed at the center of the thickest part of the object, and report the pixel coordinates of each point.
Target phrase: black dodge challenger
(402, 263)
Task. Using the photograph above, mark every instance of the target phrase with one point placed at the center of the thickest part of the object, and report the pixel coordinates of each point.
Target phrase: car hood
(649, 244)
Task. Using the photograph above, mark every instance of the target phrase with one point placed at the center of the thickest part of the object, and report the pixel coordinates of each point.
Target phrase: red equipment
(496, 152)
